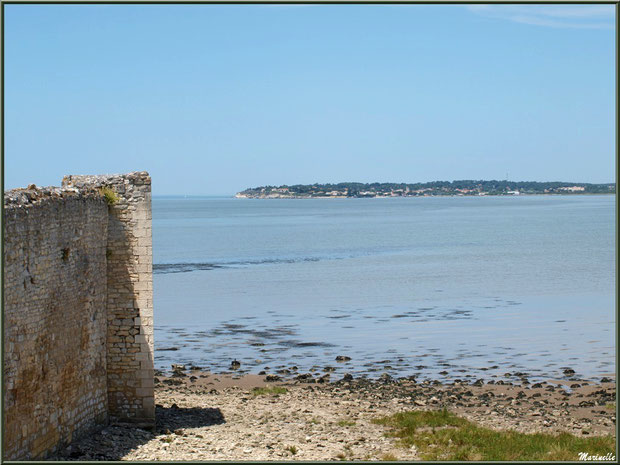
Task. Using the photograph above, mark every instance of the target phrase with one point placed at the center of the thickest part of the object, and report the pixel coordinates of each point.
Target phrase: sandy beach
(203, 416)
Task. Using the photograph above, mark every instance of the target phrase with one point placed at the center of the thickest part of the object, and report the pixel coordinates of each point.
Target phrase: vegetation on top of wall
(109, 195)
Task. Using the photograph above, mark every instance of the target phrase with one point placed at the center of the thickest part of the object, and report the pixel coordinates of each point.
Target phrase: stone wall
(130, 295)
(78, 311)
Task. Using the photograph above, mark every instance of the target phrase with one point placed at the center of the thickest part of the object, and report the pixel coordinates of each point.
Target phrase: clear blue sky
(214, 99)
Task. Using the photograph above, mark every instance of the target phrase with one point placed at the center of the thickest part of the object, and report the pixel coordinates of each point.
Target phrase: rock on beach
(217, 417)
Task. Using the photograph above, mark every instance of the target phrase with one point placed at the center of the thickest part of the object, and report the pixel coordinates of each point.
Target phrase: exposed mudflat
(201, 416)
(442, 339)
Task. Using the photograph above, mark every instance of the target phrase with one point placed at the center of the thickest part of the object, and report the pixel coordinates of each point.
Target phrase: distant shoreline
(237, 196)
(464, 188)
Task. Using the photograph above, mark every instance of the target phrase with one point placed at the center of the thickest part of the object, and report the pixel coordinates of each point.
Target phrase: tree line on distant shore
(465, 187)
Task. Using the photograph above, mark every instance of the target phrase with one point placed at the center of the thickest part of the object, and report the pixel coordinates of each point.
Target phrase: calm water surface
(451, 287)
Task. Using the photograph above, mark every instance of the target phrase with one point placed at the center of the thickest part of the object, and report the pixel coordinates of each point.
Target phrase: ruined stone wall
(130, 295)
(78, 311)
(54, 320)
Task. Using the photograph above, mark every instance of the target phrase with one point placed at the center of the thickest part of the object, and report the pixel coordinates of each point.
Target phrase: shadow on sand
(114, 442)
(173, 418)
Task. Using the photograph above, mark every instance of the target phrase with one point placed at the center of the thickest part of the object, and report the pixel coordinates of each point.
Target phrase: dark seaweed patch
(292, 343)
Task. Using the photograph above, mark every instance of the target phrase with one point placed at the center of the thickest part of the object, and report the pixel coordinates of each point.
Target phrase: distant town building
(572, 188)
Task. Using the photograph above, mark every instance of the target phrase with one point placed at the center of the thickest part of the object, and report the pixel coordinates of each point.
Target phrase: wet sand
(439, 340)
(205, 416)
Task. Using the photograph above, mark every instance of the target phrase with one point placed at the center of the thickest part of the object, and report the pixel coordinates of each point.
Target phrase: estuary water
(436, 287)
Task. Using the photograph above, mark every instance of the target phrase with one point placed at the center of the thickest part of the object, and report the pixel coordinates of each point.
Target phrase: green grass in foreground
(346, 423)
(264, 391)
(440, 435)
